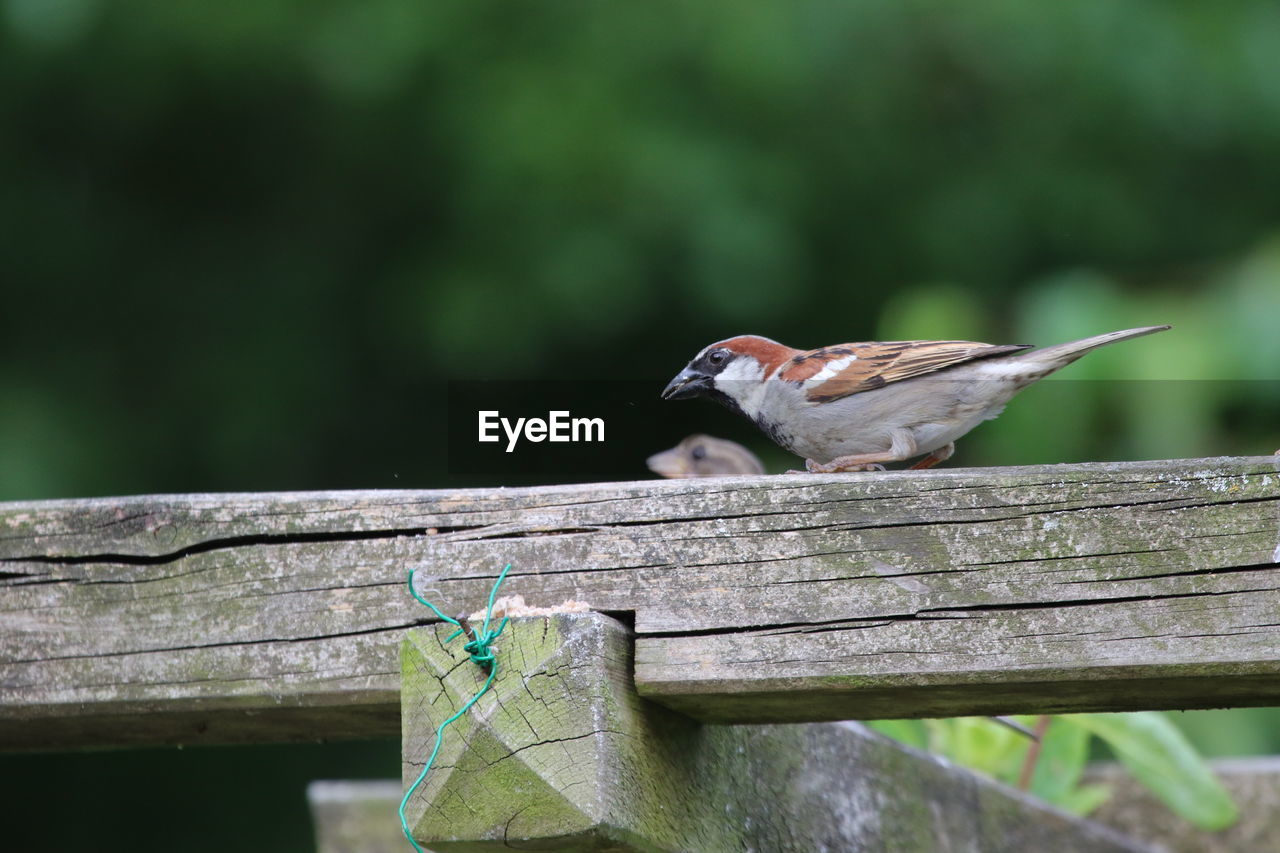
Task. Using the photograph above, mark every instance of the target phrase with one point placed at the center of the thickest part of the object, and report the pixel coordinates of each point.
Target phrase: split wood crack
(911, 593)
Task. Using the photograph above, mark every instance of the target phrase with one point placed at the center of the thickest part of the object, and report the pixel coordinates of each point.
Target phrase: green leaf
(1161, 757)
(938, 735)
(910, 732)
(1084, 799)
(982, 744)
(1064, 749)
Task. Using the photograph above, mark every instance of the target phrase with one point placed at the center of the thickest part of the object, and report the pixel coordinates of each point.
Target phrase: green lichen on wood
(501, 767)
(653, 780)
(978, 582)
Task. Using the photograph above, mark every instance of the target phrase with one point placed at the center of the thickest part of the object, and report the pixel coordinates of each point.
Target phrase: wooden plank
(960, 591)
(1254, 784)
(356, 816)
(359, 816)
(563, 754)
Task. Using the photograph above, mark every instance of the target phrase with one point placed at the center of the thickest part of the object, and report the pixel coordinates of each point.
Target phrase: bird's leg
(902, 446)
(942, 454)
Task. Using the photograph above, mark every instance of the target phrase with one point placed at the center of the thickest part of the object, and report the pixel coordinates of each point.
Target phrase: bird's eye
(698, 452)
(717, 357)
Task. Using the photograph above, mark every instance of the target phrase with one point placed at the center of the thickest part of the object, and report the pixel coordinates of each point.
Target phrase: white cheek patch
(742, 370)
(741, 380)
(830, 370)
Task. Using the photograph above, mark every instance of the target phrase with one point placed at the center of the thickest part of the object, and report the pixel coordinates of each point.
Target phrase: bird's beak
(669, 463)
(688, 383)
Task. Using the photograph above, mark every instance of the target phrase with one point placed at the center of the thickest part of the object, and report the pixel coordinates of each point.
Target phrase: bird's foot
(841, 464)
(942, 454)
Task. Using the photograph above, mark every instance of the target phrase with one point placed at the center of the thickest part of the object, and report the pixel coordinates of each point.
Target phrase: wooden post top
(562, 754)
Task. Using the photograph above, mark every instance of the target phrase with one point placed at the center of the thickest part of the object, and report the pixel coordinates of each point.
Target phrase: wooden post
(359, 816)
(1254, 785)
(562, 754)
(356, 816)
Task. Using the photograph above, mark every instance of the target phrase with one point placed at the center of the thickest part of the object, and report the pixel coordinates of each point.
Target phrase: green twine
(481, 654)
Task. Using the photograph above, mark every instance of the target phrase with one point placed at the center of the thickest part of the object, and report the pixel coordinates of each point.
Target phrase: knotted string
(481, 654)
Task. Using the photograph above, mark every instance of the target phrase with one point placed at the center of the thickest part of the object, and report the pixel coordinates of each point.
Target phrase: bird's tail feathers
(1061, 355)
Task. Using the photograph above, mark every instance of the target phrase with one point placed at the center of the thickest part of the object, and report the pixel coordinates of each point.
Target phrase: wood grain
(356, 816)
(562, 754)
(276, 616)
(1253, 783)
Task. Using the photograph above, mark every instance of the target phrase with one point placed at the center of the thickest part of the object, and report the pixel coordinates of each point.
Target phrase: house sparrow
(704, 456)
(853, 407)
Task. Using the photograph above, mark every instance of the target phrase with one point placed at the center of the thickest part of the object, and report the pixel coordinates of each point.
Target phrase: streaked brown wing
(833, 372)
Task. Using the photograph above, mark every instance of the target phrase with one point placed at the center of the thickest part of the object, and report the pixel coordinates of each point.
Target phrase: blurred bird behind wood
(705, 456)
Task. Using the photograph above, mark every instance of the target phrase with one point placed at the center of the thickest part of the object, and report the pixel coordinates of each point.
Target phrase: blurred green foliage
(1148, 744)
(243, 247)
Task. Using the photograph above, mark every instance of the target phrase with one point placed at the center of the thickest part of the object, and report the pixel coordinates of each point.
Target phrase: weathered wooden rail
(763, 599)
(360, 816)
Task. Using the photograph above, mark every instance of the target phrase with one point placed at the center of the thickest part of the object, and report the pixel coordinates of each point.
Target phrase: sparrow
(855, 407)
(704, 456)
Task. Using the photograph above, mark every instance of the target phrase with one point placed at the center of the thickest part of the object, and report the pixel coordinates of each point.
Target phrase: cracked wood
(562, 754)
(960, 591)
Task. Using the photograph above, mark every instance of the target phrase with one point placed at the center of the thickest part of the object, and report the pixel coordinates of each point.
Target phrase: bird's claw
(836, 467)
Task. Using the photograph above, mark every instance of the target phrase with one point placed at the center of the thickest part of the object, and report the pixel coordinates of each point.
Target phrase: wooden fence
(762, 600)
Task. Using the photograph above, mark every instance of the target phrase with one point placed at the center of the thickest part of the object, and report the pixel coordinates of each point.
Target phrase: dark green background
(245, 247)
